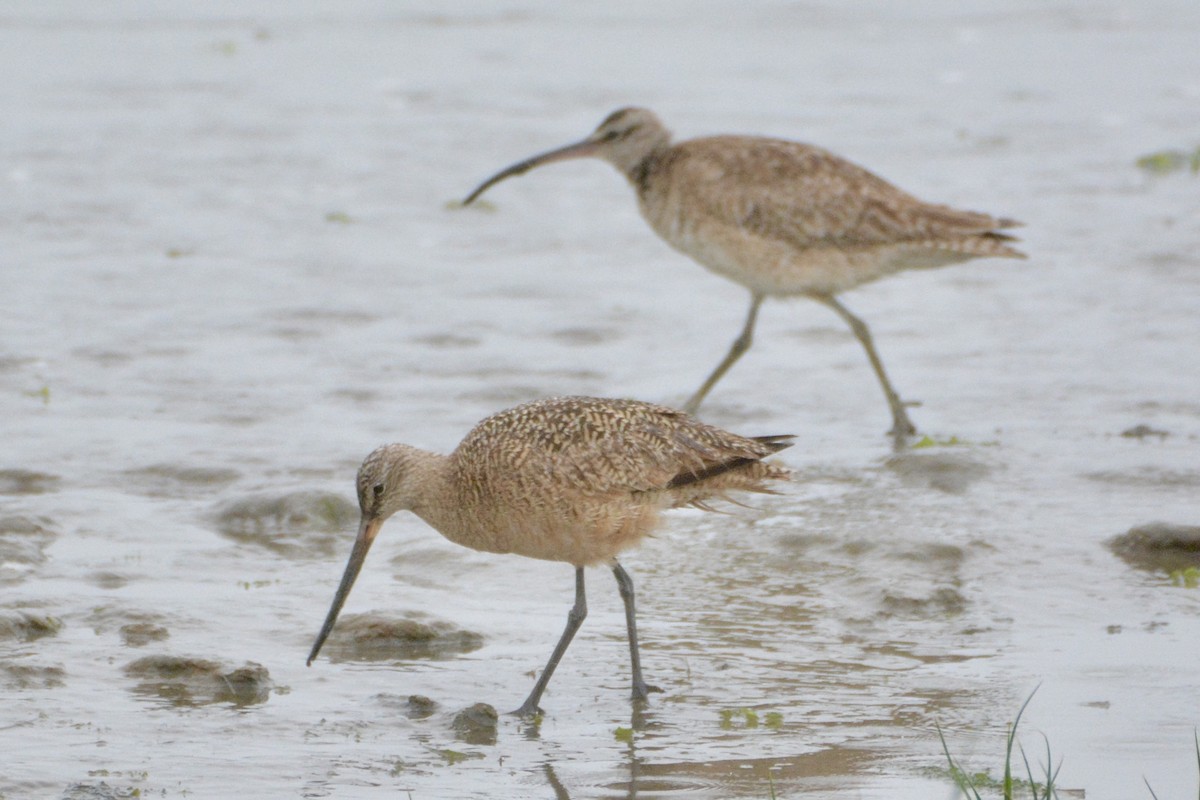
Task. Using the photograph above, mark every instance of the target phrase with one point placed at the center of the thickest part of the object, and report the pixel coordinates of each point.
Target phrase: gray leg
(901, 425)
(740, 346)
(641, 689)
(560, 791)
(575, 618)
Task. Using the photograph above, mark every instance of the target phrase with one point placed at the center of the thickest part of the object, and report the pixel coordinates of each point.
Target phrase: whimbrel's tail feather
(1006, 222)
(945, 250)
(993, 243)
(777, 443)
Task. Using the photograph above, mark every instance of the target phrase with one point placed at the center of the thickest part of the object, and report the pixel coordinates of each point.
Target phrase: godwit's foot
(527, 710)
(642, 690)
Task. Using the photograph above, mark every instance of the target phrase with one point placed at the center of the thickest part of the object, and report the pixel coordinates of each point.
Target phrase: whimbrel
(781, 218)
(574, 479)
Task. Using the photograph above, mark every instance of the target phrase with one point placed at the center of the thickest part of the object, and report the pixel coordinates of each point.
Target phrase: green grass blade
(961, 779)
(1029, 772)
(1051, 777)
(1012, 738)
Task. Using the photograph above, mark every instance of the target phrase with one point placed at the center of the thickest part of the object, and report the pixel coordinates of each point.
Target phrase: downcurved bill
(367, 531)
(587, 147)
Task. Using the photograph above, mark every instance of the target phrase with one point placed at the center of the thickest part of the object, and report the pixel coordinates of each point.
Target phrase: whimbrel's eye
(625, 134)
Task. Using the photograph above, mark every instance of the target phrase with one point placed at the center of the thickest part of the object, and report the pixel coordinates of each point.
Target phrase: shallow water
(230, 271)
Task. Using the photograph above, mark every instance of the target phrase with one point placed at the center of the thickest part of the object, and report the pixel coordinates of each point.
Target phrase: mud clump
(108, 580)
(944, 602)
(24, 481)
(296, 525)
(946, 472)
(246, 685)
(418, 706)
(25, 627)
(175, 480)
(935, 553)
(1141, 431)
(376, 637)
(23, 543)
(135, 627)
(583, 337)
(22, 677)
(476, 725)
(1159, 546)
(184, 682)
(98, 791)
(1148, 478)
(414, 706)
(140, 634)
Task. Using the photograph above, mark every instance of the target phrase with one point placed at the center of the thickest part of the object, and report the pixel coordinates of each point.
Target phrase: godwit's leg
(641, 689)
(740, 345)
(901, 424)
(575, 618)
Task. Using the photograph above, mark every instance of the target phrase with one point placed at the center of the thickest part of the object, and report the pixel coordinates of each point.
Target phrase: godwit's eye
(377, 489)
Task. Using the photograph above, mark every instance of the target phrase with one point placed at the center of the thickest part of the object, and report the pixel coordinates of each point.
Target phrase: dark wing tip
(1000, 242)
(778, 442)
(773, 444)
(688, 478)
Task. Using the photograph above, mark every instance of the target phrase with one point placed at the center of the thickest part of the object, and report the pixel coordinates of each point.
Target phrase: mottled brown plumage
(781, 218)
(574, 479)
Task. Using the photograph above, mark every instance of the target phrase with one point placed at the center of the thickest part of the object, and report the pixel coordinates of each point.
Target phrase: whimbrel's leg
(641, 689)
(740, 346)
(575, 618)
(901, 424)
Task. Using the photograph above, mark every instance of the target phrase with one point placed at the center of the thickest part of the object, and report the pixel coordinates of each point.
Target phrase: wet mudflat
(230, 270)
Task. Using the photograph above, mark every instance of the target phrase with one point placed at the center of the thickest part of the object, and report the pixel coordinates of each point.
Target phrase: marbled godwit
(781, 218)
(574, 479)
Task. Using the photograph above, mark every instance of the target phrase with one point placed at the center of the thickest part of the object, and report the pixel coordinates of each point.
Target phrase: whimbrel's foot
(901, 425)
(900, 442)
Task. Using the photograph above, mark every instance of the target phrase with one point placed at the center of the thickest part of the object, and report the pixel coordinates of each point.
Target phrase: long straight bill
(578, 150)
(367, 530)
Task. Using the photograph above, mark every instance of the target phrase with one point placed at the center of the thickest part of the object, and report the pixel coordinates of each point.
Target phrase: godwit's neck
(430, 489)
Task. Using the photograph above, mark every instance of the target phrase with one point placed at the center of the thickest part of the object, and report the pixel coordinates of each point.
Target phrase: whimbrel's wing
(809, 197)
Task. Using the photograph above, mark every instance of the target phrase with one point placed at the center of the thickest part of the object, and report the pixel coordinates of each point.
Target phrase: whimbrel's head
(624, 139)
(384, 487)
